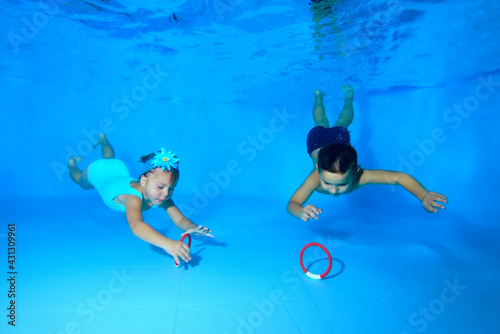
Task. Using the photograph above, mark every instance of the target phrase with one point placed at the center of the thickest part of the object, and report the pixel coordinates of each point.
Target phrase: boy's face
(335, 183)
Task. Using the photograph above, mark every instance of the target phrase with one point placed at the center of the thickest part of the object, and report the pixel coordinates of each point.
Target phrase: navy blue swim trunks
(320, 136)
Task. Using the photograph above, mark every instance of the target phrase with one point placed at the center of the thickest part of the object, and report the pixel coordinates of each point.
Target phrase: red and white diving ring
(189, 245)
(316, 276)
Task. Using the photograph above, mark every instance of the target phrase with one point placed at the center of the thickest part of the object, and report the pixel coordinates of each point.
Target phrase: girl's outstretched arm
(431, 201)
(145, 232)
(184, 223)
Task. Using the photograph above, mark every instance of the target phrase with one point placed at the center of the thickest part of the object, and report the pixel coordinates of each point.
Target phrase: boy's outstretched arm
(301, 195)
(431, 201)
(184, 223)
(145, 232)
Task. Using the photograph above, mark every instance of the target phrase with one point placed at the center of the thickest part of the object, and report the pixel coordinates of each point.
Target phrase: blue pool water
(228, 85)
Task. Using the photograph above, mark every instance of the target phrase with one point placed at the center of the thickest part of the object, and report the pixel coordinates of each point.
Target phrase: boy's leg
(107, 151)
(347, 113)
(319, 115)
(76, 174)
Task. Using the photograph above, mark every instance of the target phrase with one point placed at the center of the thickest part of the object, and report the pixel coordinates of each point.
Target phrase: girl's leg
(77, 175)
(319, 110)
(347, 113)
(107, 151)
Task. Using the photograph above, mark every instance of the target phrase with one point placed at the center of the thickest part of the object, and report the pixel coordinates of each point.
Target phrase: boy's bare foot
(319, 94)
(73, 161)
(348, 92)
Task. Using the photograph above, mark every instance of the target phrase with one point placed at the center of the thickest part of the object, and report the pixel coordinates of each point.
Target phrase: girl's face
(158, 186)
(335, 183)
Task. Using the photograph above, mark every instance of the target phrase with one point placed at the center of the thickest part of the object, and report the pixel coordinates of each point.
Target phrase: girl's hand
(199, 230)
(310, 211)
(431, 199)
(178, 249)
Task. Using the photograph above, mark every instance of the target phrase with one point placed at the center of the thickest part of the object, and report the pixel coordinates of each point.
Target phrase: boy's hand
(178, 249)
(199, 230)
(310, 211)
(431, 199)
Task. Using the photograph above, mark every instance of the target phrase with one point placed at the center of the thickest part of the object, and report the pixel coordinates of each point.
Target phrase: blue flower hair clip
(163, 159)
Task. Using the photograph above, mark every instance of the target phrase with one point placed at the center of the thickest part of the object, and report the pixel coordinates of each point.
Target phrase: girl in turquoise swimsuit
(121, 192)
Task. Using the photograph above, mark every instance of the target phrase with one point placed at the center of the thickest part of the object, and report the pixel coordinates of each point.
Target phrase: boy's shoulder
(313, 177)
(376, 176)
(314, 182)
(365, 176)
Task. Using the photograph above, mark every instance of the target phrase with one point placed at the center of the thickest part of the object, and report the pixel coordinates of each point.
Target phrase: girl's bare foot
(100, 140)
(107, 151)
(76, 174)
(73, 161)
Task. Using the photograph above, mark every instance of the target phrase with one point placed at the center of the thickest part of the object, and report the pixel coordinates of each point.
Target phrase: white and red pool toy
(308, 273)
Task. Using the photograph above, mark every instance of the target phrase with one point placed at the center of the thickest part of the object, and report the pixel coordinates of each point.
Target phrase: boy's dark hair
(337, 158)
(145, 158)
